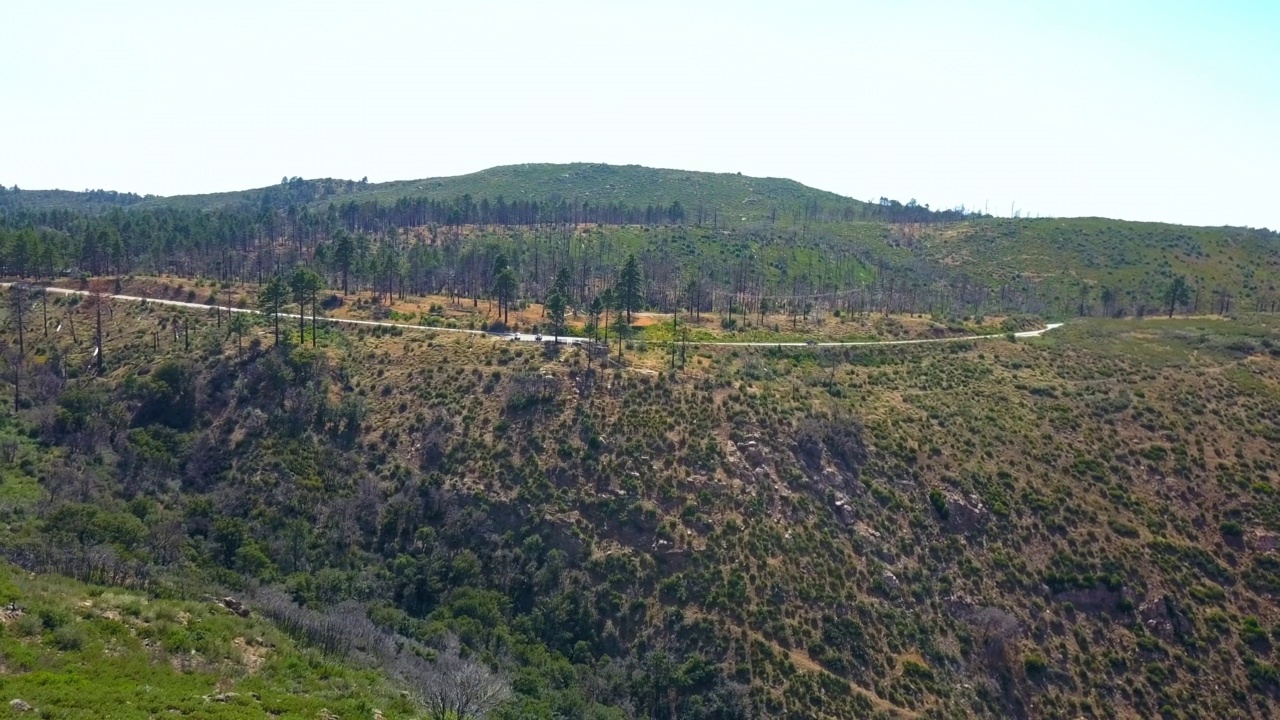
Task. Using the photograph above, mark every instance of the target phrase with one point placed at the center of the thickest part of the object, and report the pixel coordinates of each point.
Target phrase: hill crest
(632, 185)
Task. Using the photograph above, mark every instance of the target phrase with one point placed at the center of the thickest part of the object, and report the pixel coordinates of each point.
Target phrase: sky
(1133, 109)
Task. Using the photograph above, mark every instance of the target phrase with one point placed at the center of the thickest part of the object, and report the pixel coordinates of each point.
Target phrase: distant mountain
(729, 194)
(89, 201)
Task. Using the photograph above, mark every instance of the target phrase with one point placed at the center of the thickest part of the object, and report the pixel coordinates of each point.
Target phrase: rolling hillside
(89, 201)
(741, 243)
(734, 195)
(1090, 255)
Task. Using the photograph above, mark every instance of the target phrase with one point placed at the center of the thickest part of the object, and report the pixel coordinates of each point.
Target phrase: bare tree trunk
(98, 338)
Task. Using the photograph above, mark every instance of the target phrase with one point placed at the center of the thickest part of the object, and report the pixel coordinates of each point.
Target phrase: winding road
(564, 339)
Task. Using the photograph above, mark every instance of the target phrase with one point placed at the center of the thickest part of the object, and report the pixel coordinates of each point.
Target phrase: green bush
(69, 638)
(939, 502)
(1251, 631)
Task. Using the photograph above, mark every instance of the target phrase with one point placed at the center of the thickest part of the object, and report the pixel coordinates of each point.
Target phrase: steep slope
(1082, 524)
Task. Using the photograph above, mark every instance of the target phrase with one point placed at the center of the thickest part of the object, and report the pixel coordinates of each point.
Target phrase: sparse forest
(819, 254)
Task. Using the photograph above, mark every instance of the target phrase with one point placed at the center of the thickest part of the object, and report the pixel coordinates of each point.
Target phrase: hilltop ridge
(632, 185)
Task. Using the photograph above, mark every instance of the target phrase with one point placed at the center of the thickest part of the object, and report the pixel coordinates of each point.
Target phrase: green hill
(88, 201)
(1080, 259)
(735, 196)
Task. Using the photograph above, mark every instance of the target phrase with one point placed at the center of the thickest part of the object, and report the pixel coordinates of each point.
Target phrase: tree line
(798, 267)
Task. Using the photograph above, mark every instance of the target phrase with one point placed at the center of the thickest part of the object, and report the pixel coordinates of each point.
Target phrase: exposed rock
(234, 606)
(1263, 541)
(754, 455)
(997, 630)
(1155, 618)
(965, 514)
(845, 510)
(890, 580)
(20, 705)
(10, 612)
(833, 478)
(669, 557)
(1162, 616)
(1095, 599)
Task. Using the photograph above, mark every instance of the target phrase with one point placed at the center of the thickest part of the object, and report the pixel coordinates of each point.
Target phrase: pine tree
(556, 307)
(563, 283)
(504, 288)
(271, 298)
(239, 324)
(593, 317)
(628, 292)
(305, 285)
(343, 254)
(622, 328)
(1177, 294)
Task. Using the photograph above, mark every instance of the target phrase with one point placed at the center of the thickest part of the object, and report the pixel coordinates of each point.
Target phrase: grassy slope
(77, 651)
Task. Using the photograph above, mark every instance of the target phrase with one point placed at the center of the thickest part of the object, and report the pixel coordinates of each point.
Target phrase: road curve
(525, 337)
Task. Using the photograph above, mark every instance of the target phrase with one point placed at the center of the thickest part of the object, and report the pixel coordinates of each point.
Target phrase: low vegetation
(1075, 524)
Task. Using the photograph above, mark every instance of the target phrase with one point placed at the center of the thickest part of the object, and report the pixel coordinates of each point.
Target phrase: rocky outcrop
(1162, 616)
(965, 514)
(1263, 541)
(1098, 599)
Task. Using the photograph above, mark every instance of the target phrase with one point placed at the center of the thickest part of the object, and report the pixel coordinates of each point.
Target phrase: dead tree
(18, 314)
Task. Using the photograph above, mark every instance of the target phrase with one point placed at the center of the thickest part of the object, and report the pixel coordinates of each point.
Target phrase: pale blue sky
(1143, 110)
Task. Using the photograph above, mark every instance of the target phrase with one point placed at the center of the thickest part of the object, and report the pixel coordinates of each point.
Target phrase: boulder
(890, 580)
(1263, 541)
(234, 606)
(1162, 617)
(965, 514)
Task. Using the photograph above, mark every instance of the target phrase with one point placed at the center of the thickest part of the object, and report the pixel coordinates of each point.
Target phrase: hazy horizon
(1151, 111)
